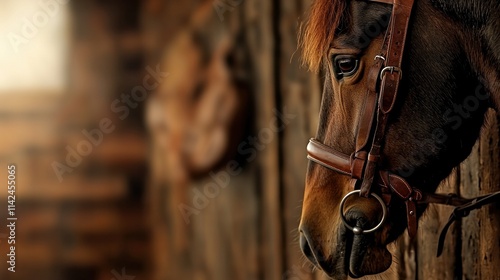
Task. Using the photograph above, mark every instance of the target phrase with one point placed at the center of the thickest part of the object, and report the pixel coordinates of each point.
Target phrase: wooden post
(429, 265)
(299, 93)
(489, 153)
(480, 241)
(258, 21)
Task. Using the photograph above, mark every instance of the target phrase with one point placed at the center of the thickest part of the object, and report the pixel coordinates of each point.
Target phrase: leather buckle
(391, 69)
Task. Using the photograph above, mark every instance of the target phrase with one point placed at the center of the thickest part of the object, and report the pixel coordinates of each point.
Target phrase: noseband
(383, 82)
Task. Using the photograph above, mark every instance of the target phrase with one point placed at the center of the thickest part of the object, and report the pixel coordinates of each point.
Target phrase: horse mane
(325, 17)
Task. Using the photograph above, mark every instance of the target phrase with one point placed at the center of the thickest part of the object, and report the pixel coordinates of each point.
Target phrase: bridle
(383, 82)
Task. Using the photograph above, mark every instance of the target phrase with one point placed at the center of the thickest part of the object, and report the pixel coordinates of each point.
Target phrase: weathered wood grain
(490, 182)
(258, 19)
(480, 229)
(435, 217)
(297, 95)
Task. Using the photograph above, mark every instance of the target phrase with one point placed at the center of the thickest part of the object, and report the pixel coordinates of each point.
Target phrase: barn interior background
(166, 140)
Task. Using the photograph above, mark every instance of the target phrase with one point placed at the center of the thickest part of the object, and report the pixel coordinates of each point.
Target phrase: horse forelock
(325, 18)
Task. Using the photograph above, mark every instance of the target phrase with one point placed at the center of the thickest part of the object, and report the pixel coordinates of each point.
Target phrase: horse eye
(345, 66)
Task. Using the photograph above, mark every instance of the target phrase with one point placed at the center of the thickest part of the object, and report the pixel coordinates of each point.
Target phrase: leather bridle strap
(463, 211)
(362, 163)
(391, 184)
(390, 75)
(328, 157)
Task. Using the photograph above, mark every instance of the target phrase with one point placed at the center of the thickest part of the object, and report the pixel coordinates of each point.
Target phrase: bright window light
(33, 46)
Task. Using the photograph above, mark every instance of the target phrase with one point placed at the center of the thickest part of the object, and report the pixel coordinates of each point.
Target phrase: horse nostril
(357, 219)
(306, 249)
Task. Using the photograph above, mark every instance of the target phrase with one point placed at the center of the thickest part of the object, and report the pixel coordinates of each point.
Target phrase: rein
(383, 82)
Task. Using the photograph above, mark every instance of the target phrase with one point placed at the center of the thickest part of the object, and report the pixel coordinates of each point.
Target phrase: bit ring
(358, 230)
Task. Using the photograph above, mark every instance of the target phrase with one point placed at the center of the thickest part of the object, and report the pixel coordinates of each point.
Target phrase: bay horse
(407, 85)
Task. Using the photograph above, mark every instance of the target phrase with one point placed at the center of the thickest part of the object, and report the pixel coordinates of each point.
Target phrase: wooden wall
(81, 228)
(471, 246)
(248, 231)
(91, 223)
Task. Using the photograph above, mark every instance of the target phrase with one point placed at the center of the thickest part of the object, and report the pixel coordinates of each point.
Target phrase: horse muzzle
(360, 245)
(365, 254)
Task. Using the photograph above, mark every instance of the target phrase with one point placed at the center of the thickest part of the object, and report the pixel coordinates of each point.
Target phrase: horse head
(447, 80)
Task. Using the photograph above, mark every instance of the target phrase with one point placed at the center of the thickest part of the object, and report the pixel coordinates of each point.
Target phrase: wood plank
(78, 189)
(226, 232)
(489, 174)
(298, 95)
(44, 219)
(258, 21)
(156, 196)
(469, 187)
(21, 134)
(24, 104)
(405, 258)
(480, 176)
(429, 266)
